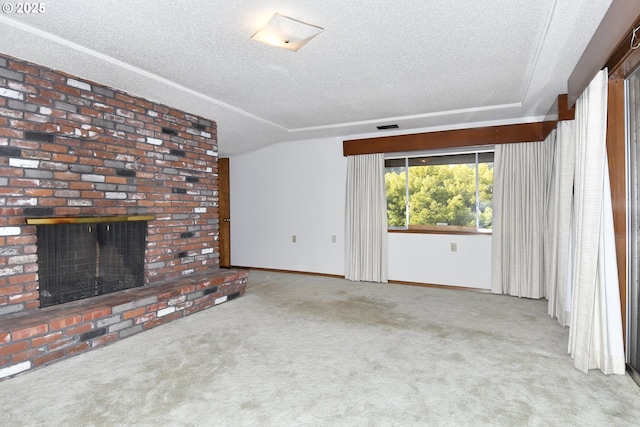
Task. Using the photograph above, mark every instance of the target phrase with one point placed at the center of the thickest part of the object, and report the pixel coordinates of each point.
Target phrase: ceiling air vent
(385, 127)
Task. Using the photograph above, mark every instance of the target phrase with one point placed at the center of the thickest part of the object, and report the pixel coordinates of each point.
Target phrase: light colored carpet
(315, 351)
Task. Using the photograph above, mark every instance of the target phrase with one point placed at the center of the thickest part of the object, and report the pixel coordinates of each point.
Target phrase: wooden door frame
(224, 212)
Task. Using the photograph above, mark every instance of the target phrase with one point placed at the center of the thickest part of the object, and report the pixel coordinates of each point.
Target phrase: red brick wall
(71, 147)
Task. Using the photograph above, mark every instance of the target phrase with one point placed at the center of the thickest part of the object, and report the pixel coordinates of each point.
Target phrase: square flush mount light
(287, 33)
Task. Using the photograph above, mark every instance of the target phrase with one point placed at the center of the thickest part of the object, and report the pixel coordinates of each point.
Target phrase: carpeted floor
(315, 351)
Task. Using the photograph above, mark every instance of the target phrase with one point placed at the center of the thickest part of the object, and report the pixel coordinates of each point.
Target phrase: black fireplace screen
(77, 261)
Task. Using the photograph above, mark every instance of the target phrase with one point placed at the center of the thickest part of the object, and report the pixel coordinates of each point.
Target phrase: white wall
(292, 188)
(298, 188)
(427, 258)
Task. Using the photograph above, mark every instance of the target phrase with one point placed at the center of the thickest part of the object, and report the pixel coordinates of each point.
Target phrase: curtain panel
(522, 185)
(595, 337)
(558, 235)
(366, 219)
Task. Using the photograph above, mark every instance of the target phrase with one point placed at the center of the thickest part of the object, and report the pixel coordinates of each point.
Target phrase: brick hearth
(53, 333)
(73, 148)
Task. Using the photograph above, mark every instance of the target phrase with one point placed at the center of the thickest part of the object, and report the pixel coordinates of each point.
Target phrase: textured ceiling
(432, 64)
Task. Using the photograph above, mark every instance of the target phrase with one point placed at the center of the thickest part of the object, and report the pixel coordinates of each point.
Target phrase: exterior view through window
(440, 192)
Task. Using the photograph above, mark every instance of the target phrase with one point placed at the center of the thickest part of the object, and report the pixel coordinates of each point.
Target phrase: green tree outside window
(441, 194)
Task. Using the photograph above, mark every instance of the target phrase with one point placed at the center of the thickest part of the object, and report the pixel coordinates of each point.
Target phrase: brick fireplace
(74, 150)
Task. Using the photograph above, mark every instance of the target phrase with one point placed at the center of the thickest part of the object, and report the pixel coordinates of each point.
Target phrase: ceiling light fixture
(287, 33)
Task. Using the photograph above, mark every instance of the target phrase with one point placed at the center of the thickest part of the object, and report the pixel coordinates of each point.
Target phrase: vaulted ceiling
(433, 64)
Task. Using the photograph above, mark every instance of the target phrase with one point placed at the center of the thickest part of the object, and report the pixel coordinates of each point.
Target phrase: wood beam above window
(523, 132)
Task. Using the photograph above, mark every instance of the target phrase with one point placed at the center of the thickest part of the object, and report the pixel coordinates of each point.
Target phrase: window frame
(440, 229)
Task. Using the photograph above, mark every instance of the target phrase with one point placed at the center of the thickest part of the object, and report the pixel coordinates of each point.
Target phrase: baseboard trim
(276, 270)
(337, 276)
(432, 285)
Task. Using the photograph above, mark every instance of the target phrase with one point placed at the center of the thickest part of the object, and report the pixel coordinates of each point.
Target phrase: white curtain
(595, 338)
(558, 263)
(522, 182)
(366, 219)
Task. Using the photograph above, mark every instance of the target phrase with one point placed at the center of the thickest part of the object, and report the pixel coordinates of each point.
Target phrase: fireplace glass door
(78, 261)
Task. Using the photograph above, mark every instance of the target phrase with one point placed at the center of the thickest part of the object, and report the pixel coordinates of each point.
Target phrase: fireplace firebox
(89, 257)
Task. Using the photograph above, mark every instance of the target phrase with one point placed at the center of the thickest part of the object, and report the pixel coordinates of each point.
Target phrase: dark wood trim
(628, 66)
(224, 212)
(564, 111)
(560, 111)
(547, 127)
(523, 132)
(624, 60)
(448, 287)
(615, 26)
(275, 270)
(394, 282)
(616, 143)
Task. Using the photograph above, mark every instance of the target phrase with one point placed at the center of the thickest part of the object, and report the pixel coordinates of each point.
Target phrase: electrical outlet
(293, 238)
(333, 238)
(454, 247)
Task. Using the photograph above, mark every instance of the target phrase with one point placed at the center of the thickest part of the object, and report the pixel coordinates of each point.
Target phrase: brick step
(32, 339)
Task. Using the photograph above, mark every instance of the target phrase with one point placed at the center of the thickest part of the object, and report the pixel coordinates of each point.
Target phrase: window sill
(425, 229)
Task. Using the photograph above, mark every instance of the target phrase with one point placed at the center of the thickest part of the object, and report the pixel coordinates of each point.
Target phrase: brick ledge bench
(38, 337)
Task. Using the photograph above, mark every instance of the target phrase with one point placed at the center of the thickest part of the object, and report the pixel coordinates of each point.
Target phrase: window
(448, 192)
